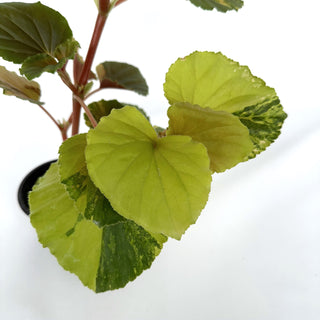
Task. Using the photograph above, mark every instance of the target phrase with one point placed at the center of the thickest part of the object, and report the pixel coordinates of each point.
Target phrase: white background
(255, 250)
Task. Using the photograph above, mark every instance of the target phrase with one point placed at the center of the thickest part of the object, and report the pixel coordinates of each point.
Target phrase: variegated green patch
(104, 252)
(211, 80)
(264, 122)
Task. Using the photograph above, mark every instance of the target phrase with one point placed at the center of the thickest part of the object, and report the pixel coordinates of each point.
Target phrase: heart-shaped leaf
(220, 5)
(104, 256)
(160, 183)
(211, 80)
(225, 137)
(121, 76)
(18, 86)
(36, 36)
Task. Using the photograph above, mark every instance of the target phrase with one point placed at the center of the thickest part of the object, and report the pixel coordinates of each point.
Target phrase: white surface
(255, 250)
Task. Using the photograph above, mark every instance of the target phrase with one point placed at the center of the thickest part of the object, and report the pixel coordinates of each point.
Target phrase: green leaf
(220, 5)
(34, 35)
(18, 86)
(67, 49)
(73, 172)
(210, 79)
(34, 66)
(225, 137)
(73, 241)
(264, 122)
(121, 76)
(104, 258)
(103, 108)
(160, 183)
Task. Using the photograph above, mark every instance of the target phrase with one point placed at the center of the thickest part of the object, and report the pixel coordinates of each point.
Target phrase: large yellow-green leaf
(225, 137)
(18, 86)
(220, 5)
(160, 183)
(36, 36)
(74, 241)
(210, 79)
(105, 255)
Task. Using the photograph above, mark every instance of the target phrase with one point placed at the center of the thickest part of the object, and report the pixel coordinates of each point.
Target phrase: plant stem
(100, 22)
(86, 109)
(91, 93)
(67, 81)
(63, 130)
(76, 110)
(85, 72)
(50, 116)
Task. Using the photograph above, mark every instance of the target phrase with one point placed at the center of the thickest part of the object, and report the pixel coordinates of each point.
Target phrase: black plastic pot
(28, 182)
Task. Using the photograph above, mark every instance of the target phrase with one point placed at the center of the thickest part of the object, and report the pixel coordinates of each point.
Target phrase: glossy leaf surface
(104, 256)
(30, 34)
(160, 183)
(220, 5)
(225, 137)
(18, 86)
(121, 76)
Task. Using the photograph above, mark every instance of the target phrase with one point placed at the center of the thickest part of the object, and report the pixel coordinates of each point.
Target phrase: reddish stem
(85, 72)
(75, 117)
(100, 22)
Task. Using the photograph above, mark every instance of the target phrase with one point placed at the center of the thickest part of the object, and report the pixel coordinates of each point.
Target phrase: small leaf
(104, 258)
(220, 5)
(66, 49)
(35, 32)
(264, 122)
(225, 137)
(121, 76)
(18, 86)
(103, 108)
(34, 66)
(160, 183)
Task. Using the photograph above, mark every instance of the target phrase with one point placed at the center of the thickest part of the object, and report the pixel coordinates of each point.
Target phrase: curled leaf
(18, 86)
(121, 76)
